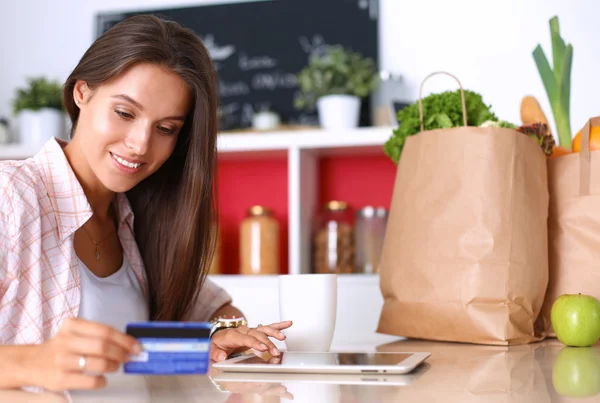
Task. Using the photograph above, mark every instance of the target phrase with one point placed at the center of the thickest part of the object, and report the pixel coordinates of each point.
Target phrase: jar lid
(370, 211)
(259, 210)
(336, 205)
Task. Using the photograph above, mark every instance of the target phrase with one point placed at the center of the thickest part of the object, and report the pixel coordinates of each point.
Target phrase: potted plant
(335, 82)
(39, 111)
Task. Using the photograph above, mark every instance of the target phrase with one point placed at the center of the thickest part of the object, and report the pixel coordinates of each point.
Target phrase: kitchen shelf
(361, 140)
(321, 164)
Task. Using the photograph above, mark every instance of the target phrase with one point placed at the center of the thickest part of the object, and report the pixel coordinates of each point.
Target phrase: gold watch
(226, 322)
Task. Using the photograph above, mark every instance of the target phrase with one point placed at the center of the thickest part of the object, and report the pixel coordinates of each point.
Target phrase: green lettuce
(440, 111)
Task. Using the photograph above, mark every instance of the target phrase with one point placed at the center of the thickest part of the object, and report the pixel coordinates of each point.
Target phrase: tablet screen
(301, 359)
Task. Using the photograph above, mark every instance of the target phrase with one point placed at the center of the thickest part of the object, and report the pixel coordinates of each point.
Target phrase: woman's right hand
(55, 364)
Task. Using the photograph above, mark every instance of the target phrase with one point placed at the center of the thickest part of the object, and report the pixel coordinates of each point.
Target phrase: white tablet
(226, 378)
(326, 363)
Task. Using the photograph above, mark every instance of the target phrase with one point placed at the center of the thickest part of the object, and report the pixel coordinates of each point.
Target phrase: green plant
(39, 93)
(339, 71)
(557, 81)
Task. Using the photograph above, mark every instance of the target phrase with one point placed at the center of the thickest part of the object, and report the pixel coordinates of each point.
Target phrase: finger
(92, 329)
(270, 331)
(249, 387)
(274, 360)
(264, 340)
(262, 388)
(101, 348)
(238, 339)
(281, 325)
(76, 380)
(70, 362)
(279, 390)
(217, 354)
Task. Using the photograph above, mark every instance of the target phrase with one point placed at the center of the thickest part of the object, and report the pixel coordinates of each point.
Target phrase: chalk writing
(231, 89)
(257, 62)
(273, 80)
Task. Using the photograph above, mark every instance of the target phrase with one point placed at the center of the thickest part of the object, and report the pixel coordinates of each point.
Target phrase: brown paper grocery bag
(574, 224)
(465, 254)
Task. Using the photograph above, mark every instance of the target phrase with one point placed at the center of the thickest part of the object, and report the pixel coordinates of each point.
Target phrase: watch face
(230, 320)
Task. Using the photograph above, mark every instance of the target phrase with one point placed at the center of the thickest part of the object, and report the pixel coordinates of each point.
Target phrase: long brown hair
(175, 207)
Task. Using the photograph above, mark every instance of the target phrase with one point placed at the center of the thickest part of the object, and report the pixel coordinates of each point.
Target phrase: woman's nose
(138, 139)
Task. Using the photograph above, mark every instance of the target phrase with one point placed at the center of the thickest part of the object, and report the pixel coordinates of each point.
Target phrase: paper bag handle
(585, 159)
(462, 95)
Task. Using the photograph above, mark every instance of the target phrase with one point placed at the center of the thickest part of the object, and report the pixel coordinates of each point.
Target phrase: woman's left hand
(226, 341)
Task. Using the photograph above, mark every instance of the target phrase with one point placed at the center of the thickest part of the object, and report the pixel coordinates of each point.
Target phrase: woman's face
(128, 127)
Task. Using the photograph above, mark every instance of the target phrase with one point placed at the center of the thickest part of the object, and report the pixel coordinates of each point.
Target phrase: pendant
(97, 252)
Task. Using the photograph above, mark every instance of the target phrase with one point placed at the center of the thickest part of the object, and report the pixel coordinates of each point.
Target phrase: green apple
(576, 372)
(576, 319)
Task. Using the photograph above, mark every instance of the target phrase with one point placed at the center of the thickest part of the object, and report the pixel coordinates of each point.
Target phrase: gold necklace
(97, 252)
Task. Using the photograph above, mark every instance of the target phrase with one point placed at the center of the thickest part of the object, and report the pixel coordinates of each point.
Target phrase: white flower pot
(338, 111)
(37, 127)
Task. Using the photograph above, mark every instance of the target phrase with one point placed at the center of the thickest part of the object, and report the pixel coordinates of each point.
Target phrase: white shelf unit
(302, 149)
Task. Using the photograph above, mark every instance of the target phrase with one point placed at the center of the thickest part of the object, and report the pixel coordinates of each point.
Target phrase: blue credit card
(170, 348)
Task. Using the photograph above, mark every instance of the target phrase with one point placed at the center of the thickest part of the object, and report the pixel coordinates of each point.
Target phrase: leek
(557, 81)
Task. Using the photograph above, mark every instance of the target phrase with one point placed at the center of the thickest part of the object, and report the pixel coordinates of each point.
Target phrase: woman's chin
(120, 186)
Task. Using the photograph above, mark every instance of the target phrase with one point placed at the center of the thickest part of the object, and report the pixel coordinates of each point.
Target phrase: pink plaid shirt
(41, 206)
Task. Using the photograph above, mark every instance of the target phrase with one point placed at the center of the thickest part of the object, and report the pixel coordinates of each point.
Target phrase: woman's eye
(124, 115)
(166, 130)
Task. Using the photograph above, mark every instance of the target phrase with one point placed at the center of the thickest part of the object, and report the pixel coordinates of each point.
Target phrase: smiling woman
(76, 266)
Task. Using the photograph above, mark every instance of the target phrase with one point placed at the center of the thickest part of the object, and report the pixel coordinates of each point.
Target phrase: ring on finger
(82, 362)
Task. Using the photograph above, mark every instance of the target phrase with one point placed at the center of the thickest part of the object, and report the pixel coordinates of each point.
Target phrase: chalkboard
(258, 47)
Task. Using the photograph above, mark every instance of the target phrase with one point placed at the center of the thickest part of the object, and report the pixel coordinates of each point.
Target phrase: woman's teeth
(126, 163)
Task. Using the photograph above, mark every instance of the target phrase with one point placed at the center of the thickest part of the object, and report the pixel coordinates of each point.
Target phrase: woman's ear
(81, 92)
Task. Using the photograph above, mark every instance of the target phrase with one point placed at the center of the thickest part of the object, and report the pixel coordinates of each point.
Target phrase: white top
(114, 300)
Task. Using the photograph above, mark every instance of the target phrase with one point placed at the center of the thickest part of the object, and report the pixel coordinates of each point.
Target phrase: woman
(78, 257)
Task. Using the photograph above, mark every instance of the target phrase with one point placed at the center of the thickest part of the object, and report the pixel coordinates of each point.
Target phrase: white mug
(310, 302)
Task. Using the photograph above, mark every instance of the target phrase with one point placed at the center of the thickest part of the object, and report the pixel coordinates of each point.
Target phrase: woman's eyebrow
(127, 98)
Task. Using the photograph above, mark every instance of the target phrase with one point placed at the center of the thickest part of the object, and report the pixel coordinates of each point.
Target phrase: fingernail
(275, 352)
(137, 348)
(221, 356)
(264, 347)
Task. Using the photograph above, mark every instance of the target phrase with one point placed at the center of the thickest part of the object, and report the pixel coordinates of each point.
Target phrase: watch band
(227, 322)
